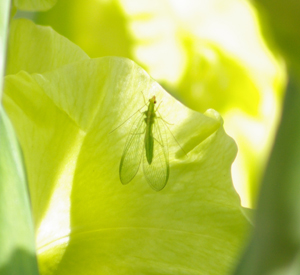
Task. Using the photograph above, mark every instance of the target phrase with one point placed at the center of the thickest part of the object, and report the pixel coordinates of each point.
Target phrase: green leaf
(282, 19)
(17, 247)
(34, 48)
(86, 220)
(274, 248)
(34, 5)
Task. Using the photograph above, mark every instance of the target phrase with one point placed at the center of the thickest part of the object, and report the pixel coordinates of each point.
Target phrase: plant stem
(4, 23)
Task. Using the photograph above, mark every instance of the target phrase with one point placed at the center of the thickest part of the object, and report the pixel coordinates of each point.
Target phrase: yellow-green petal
(86, 220)
(37, 49)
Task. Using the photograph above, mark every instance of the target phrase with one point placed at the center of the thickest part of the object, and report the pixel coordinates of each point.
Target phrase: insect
(147, 143)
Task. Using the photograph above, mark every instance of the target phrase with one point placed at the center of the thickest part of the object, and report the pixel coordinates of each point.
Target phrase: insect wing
(132, 154)
(157, 173)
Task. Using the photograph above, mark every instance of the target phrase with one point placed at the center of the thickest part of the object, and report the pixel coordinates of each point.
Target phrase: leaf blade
(17, 248)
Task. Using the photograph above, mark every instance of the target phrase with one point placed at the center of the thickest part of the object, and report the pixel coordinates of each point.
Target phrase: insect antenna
(144, 98)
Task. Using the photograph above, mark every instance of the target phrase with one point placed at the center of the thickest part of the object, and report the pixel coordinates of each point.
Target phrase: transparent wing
(157, 173)
(132, 154)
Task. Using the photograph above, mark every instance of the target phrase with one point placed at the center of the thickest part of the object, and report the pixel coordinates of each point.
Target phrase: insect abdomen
(149, 120)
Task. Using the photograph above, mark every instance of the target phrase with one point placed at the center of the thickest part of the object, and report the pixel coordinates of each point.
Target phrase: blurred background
(206, 53)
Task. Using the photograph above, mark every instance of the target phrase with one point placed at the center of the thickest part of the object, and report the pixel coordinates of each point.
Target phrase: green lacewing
(146, 143)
